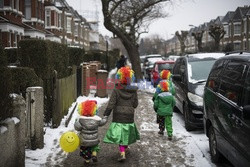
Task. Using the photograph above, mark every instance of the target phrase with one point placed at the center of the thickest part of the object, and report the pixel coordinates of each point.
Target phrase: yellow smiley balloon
(69, 141)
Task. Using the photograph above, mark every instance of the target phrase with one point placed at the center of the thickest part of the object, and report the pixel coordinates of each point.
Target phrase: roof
(241, 55)
(240, 13)
(228, 17)
(205, 55)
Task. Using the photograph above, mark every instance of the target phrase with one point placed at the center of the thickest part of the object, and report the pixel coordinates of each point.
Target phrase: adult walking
(121, 62)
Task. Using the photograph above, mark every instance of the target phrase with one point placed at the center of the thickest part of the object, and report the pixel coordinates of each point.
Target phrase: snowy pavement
(186, 149)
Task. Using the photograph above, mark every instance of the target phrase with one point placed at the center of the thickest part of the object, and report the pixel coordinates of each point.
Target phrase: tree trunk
(133, 54)
(217, 44)
(135, 61)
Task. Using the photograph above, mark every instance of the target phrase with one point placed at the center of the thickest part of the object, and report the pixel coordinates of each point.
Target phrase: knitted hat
(88, 108)
(163, 86)
(125, 75)
(165, 74)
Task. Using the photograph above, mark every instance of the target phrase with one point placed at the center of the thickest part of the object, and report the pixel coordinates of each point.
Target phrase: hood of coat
(84, 118)
(165, 96)
(126, 91)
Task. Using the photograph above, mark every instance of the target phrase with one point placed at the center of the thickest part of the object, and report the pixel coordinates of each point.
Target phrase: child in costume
(123, 101)
(87, 124)
(165, 75)
(164, 103)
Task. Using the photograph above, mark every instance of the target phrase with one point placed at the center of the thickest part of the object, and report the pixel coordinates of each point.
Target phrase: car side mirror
(176, 77)
(246, 112)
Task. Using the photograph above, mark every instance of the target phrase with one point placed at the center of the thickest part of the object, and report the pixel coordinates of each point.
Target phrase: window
(59, 20)
(232, 81)
(246, 96)
(47, 18)
(9, 39)
(69, 24)
(237, 46)
(17, 5)
(237, 29)
(245, 26)
(15, 40)
(1, 3)
(199, 70)
(12, 4)
(76, 28)
(28, 9)
(217, 69)
(226, 30)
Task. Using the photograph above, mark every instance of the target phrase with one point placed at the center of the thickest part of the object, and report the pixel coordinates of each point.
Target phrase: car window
(213, 80)
(232, 81)
(177, 67)
(165, 66)
(199, 70)
(246, 96)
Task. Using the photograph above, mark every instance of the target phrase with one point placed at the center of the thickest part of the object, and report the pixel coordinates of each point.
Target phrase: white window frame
(59, 20)
(68, 28)
(27, 10)
(47, 18)
(17, 5)
(226, 28)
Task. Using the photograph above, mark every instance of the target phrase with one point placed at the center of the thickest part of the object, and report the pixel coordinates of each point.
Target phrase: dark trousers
(161, 122)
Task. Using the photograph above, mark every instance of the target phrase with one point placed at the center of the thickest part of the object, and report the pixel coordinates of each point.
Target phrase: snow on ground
(51, 138)
(196, 143)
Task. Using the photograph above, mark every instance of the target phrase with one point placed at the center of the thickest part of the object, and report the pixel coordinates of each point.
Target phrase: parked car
(173, 57)
(149, 63)
(190, 73)
(227, 109)
(157, 68)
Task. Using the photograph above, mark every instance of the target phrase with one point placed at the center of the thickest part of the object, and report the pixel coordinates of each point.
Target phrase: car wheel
(186, 119)
(215, 154)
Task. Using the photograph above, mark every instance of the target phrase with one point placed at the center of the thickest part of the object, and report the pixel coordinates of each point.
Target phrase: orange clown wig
(88, 108)
(163, 86)
(125, 75)
(165, 74)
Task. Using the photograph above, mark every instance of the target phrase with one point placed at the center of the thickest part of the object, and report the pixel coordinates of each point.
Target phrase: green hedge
(22, 78)
(44, 57)
(6, 87)
(76, 56)
(11, 55)
(96, 55)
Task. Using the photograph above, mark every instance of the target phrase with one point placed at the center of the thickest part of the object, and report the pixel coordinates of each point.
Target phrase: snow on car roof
(154, 59)
(153, 55)
(206, 55)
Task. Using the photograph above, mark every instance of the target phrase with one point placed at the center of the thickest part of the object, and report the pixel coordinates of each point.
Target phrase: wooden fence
(65, 95)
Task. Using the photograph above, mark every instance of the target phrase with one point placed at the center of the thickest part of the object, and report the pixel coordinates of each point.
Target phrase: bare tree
(182, 38)
(128, 19)
(217, 32)
(198, 37)
(152, 45)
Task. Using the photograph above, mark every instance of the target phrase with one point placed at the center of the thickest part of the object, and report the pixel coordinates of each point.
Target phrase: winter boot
(94, 157)
(160, 132)
(122, 157)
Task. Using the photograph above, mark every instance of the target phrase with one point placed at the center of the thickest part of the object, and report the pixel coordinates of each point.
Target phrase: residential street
(186, 149)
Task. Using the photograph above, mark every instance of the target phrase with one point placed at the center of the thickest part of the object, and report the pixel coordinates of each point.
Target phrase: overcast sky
(182, 14)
